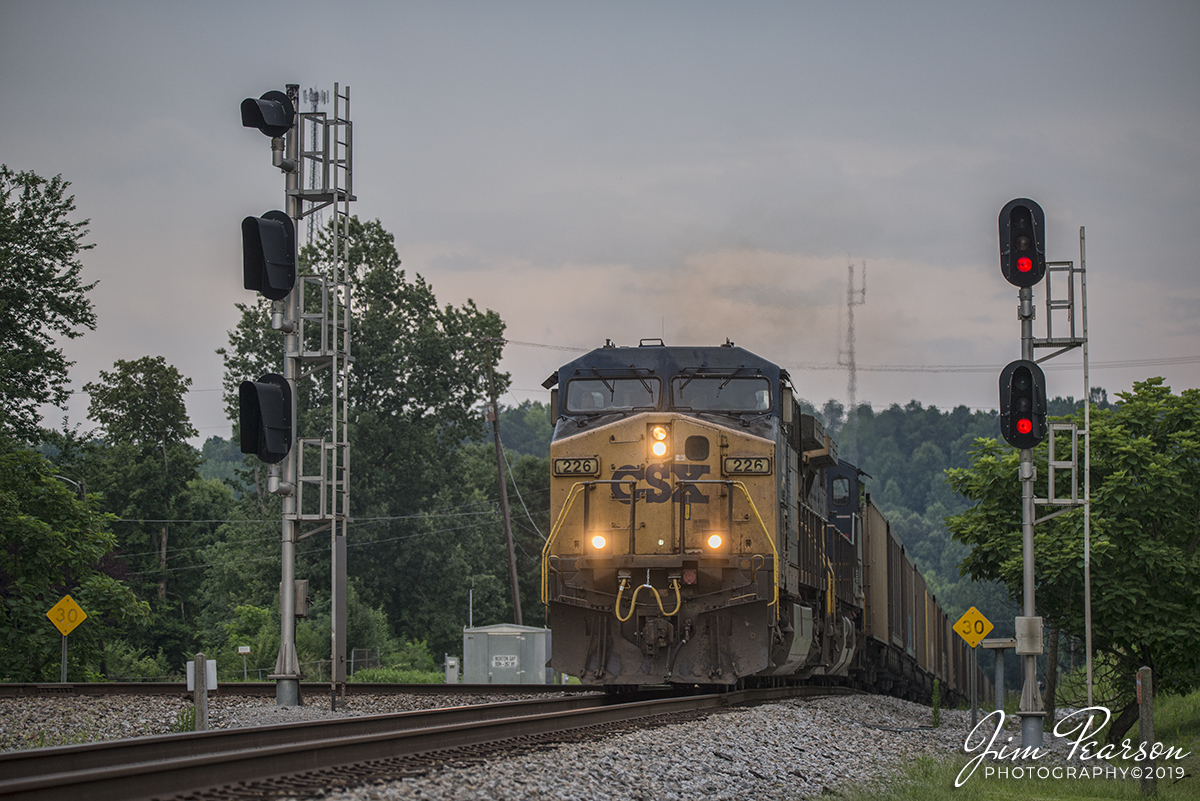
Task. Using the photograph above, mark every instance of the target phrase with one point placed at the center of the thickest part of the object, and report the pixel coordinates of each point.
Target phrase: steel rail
(167, 765)
(310, 690)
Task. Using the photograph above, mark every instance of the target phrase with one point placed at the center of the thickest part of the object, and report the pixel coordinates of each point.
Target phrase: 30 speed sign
(66, 615)
(973, 626)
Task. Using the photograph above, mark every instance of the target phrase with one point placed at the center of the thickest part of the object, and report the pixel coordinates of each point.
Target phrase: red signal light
(1024, 264)
(1024, 425)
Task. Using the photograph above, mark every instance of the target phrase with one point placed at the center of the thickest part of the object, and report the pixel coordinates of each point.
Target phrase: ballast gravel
(794, 749)
(788, 750)
(36, 721)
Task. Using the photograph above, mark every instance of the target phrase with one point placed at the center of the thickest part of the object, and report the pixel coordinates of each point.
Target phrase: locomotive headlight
(658, 437)
(598, 542)
(714, 541)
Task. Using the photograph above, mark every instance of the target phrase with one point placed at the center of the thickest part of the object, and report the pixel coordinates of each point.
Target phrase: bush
(413, 655)
(125, 663)
(396, 675)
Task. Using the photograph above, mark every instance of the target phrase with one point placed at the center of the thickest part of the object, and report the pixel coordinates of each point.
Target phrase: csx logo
(659, 490)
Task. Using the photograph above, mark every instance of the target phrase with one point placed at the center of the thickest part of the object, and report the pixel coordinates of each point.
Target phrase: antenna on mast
(314, 97)
(854, 297)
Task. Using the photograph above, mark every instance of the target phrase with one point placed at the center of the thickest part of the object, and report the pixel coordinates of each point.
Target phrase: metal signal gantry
(313, 312)
(1023, 424)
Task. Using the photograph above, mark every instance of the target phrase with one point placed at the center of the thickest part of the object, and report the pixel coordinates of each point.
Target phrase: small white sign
(243, 649)
(504, 661)
(210, 674)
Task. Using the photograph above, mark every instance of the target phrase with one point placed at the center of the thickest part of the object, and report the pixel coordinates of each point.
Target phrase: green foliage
(53, 544)
(1176, 725)
(128, 662)
(397, 676)
(42, 296)
(185, 721)
(1145, 532)
(222, 459)
(937, 703)
(150, 482)
(524, 428)
(413, 655)
(141, 403)
(425, 528)
(905, 451)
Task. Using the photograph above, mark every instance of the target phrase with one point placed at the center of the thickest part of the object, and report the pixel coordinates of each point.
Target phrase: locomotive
(706, 533)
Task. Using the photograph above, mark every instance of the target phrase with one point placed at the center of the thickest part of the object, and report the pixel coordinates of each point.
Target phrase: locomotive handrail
(774, 550)
(770, 540)
(829, 588)
(580, 486)
(562, 516)
(572, 494)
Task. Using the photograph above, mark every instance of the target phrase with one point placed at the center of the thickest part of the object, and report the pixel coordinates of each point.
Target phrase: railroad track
(309, 689)
(255, 762)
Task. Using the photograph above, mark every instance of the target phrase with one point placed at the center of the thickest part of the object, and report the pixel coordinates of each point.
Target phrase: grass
(929, 779)
(186, 720)
(1176, 724)
(398, 676)
(42, 740)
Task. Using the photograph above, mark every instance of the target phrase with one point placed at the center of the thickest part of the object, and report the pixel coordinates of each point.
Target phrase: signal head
(269, 254)
(1023, 404)
(1022, 242)
(273, 113)
(265, 417)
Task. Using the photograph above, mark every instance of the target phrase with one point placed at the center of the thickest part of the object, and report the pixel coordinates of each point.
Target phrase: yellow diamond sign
(66, 615)
(973, 626)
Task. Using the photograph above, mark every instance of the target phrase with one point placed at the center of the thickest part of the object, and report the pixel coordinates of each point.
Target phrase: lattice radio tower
(846, 358)
(314, 97)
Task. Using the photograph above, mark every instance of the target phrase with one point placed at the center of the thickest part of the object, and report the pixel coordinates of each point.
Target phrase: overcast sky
(684, 170)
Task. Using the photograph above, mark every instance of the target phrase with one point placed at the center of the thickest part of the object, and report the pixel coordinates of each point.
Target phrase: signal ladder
(326, 149)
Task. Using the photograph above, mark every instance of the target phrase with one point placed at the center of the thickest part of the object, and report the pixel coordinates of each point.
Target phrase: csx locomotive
(706, 533)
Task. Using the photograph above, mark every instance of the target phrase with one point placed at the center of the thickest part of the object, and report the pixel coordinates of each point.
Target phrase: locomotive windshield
(592, 395)
(721, 393)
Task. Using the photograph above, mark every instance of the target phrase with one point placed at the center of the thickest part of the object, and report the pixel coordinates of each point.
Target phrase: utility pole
(493, 414)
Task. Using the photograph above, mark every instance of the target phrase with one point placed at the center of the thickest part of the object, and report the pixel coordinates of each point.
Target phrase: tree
(1145, 547)
(141, 403)
(416, 389)
(139, 406)
(148, 476)
(524, 428)
(53, 543)
(42, 295)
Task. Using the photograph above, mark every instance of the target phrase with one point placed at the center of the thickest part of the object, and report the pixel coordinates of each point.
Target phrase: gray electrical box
(1029, 636)
(506, 654)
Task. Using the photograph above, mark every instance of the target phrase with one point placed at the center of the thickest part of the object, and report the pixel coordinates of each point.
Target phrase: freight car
(706, 533)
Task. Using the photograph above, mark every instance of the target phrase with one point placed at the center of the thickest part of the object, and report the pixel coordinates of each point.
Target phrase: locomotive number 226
(755, 466)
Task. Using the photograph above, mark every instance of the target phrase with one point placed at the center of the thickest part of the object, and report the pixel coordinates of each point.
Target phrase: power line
(989, 368)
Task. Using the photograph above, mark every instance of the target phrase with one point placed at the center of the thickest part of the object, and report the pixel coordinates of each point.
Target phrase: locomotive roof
(663, 360)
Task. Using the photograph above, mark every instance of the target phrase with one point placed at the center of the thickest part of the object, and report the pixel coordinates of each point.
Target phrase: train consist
(706, 533)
